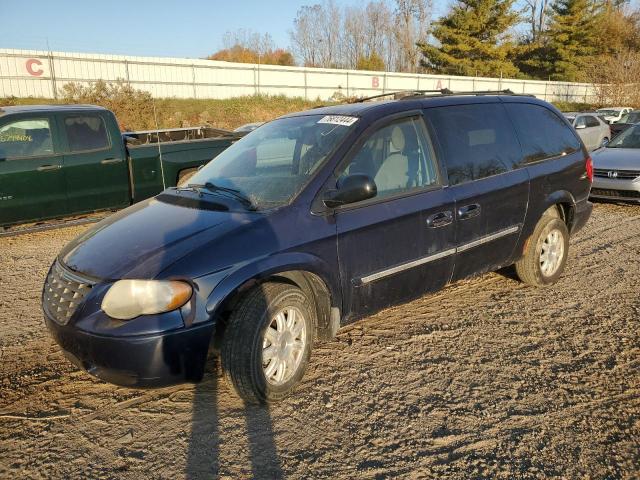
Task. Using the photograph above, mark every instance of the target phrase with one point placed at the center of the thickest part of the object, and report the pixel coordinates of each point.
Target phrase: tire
(550, 235)
(246, 341)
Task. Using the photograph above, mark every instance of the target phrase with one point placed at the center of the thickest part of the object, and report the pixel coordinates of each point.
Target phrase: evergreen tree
(572, 39)
(534, 59)
(473, 40)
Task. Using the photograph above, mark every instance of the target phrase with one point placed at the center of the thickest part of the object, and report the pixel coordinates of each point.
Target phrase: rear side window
(26, 138)
(478, 141)
(542, 133)
(86, 132)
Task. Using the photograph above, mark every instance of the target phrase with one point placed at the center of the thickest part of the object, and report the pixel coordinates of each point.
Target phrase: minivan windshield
(629, 138)
(273, 163)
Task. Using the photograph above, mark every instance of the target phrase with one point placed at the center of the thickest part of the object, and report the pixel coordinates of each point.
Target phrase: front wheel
(546, 253)
(267, 342)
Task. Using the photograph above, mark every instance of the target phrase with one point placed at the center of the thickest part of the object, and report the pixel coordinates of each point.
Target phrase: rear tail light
(589, 168)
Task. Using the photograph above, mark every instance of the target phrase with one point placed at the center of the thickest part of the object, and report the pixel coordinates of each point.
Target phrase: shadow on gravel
(203, 456)
(508, 273)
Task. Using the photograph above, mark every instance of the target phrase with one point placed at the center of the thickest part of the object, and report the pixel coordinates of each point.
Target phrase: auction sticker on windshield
(338, 120)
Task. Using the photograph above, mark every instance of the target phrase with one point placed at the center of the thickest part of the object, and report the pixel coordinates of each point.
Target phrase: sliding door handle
(440, 219)
(45, 168)
(469, 211)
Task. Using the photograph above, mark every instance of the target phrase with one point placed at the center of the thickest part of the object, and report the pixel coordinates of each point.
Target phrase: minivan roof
(377, 109)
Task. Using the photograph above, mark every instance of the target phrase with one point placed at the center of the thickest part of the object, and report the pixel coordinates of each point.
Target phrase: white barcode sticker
(338, 120)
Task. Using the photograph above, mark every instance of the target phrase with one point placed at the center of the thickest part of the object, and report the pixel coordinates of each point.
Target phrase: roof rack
(412, 94)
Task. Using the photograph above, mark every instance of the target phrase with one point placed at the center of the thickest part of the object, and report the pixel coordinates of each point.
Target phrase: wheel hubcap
(283, 346)
(552, 253)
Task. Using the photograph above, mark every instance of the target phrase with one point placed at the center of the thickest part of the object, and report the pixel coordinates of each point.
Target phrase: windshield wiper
(212, 188)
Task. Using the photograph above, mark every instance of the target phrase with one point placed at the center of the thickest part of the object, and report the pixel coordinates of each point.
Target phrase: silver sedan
(617, 168)
(593, 131)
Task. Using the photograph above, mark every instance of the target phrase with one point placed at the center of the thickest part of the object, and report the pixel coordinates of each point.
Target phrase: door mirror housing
(351, 189)
(580, 127)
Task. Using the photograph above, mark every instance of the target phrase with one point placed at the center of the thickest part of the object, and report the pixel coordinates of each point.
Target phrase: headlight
(127, 299)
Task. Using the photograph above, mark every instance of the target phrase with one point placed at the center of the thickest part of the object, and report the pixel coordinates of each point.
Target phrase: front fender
(271, 265)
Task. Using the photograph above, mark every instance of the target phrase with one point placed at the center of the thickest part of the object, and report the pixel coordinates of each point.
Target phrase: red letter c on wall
(32, 67)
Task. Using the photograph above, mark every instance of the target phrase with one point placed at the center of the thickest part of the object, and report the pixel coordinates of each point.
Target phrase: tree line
(569, 40)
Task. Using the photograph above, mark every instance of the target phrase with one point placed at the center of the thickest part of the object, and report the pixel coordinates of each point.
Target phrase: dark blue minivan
(310, 222)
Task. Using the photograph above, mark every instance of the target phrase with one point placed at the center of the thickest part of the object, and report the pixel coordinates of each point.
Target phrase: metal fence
(36, 73)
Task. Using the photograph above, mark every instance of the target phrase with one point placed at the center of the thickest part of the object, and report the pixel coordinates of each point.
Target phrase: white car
(613, 114)
(593, 131)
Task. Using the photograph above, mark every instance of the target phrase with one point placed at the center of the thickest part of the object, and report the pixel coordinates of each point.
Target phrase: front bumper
(153, 360)
(614, 189)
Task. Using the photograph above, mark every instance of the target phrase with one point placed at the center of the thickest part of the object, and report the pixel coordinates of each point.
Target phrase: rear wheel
(546, 253)
(267, 342)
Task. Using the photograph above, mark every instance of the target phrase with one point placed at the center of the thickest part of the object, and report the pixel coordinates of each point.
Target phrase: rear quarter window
(86, 132)
(542, 133)
(478, 140)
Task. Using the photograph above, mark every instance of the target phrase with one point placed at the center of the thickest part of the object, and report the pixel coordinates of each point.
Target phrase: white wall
(25, 73)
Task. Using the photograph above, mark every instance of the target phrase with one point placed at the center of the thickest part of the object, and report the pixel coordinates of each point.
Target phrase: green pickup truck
(62, 160)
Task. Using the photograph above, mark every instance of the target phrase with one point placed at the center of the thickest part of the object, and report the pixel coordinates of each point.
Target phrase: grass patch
(575, 106)
(137, 113)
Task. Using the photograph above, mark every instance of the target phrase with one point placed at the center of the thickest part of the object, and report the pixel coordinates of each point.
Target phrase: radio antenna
(155, 117)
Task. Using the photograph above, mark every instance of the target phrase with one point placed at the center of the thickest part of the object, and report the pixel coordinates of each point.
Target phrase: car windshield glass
(629, 138)
(271, 164)
(607, 112)
(632, 117)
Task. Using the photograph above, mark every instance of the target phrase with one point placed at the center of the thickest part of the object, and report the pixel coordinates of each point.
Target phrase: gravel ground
(488, 378)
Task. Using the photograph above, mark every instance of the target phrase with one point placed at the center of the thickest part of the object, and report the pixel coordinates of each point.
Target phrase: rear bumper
(140, 361)
(581, 215)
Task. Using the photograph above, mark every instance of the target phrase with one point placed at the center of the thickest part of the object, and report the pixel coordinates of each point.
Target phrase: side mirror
(351, 189)
(580, 127)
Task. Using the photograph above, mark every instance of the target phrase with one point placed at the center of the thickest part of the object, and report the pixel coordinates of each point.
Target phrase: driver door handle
(440, 219)
(44, 168)
(108, 161)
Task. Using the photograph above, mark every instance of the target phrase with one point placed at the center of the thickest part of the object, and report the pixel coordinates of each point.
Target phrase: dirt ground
(487, 378)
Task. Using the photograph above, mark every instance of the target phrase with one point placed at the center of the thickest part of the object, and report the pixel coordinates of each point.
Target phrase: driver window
(398, 157)
(592, 122)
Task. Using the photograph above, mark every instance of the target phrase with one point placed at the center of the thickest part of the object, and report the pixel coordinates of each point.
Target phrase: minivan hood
(146, 238)
(617, 158)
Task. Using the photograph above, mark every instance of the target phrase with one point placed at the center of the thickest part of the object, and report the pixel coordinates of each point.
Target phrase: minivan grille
(63, 292)
(616, 174)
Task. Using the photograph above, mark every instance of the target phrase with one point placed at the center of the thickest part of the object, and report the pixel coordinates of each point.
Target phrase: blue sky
(191, 28)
